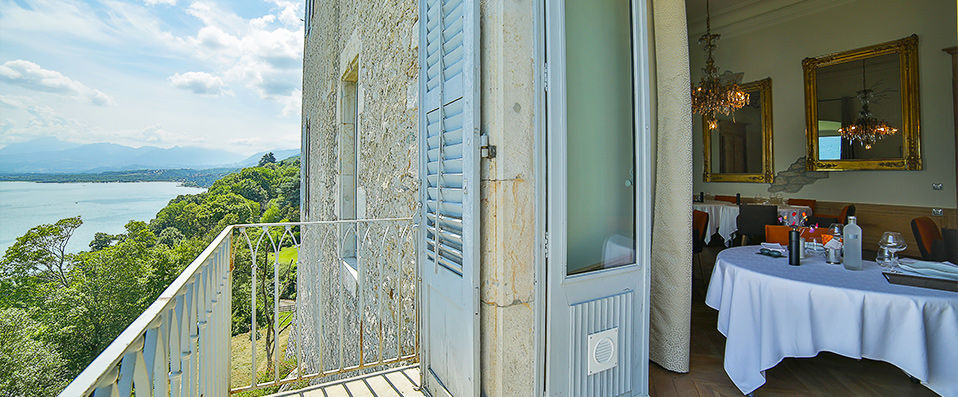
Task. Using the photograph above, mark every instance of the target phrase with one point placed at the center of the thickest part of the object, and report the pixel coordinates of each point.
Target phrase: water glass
(890, 244)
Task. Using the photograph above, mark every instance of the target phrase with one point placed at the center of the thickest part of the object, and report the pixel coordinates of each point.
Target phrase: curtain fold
(671, 287)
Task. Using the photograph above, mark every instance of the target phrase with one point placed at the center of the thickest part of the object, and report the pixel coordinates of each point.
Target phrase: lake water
(103, 207)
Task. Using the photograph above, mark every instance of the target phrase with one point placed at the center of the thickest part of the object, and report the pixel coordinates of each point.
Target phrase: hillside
(51, 156)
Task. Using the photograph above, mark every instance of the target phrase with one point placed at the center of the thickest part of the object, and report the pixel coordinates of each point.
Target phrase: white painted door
(598, 198)
(449, 191)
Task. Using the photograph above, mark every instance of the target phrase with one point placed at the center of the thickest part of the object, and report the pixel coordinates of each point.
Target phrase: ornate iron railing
(358, 310)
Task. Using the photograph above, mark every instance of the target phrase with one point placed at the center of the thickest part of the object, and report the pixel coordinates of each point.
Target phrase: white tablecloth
(769, 310)
(722, 217)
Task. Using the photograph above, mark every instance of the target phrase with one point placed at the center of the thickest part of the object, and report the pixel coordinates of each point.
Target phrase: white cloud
(252, 60)
(198, 82)
(30, 75)
(263, 54)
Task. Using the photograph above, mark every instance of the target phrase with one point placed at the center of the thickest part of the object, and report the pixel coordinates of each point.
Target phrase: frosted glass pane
(600, 146)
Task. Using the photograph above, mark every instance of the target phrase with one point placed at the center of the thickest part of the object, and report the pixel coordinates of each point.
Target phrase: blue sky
(210, 73)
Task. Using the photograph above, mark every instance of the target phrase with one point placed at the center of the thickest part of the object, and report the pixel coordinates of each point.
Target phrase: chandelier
(867, 129)
(712, 96)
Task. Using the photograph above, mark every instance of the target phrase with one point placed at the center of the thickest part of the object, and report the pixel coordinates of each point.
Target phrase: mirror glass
(737, 142)
(739, 149)
(845, 90)
(862, 110)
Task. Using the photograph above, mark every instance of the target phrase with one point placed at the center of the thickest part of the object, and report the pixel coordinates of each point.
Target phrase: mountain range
(50, 155)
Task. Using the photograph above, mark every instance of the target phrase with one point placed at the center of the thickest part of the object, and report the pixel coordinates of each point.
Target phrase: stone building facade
(359, 135)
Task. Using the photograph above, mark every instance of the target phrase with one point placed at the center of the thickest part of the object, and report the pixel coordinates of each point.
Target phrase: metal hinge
(545, 76)
(485, 149)
(545, 245)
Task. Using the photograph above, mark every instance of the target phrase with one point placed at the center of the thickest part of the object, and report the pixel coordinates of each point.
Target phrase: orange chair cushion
(777, 234)
(700, 221)
(730, 199)
(929, 231)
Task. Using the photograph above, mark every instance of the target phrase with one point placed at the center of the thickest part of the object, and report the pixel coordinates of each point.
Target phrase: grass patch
(286, 256)
(241, 360)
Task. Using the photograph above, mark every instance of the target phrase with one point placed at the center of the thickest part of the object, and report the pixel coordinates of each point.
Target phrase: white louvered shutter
(449, 184)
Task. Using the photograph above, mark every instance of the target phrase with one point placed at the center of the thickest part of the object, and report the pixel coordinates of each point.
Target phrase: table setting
(772, 307)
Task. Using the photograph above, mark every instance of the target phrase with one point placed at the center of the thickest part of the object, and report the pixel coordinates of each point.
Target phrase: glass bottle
(852, 240)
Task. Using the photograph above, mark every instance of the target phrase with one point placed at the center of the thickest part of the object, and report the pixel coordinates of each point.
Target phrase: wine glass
(890, 244)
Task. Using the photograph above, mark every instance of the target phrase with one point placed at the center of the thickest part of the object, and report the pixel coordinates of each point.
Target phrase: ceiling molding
(751, 15)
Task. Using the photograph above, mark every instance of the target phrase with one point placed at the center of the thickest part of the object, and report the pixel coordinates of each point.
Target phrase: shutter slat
(446, 251)
(448, 180)
(446, 263)
(451, 166)
(451, 195)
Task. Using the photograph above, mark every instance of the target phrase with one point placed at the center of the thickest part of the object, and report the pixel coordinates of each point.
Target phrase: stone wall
(507, 308)
(381, 37)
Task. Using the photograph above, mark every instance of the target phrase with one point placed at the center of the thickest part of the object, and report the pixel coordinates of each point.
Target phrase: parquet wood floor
(824, 375)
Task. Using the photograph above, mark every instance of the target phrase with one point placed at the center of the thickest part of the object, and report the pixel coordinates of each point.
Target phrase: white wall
(777, 50)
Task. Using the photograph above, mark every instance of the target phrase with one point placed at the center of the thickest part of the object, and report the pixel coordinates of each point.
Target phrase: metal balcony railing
(357, 310)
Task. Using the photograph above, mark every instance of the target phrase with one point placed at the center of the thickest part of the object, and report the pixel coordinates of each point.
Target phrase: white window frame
(348, 196)
(304, 172)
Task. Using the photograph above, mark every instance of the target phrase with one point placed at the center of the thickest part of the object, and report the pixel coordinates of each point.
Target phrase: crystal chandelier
(867, 129)
(712, 96)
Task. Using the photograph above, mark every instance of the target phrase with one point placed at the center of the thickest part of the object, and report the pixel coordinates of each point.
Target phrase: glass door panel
(600, 135)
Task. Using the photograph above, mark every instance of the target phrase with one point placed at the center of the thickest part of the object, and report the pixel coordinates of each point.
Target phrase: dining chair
(931, 243)
(730, 199)
(777, 234)
(751, 222)
(804, 202)
(700, 222)
(823, 220)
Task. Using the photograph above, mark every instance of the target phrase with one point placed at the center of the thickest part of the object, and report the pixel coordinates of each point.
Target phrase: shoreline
(186, 177)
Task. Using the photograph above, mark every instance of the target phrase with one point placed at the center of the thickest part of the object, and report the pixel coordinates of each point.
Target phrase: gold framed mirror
(740, 148)
(861, 108)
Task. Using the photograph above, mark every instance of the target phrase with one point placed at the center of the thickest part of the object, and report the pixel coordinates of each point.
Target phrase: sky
(210, 73)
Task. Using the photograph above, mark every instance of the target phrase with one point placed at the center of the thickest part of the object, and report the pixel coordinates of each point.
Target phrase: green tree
(101, 240)
(109, 288)
(37, 262)
(29, 366)
(267, 158)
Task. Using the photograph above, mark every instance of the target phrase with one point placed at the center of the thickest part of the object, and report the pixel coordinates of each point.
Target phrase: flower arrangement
(798, 222)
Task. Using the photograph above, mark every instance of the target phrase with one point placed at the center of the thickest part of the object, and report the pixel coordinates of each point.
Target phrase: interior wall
(776, 50)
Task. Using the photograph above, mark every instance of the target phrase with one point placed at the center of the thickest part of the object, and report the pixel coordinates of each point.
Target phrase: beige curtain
(672, 214)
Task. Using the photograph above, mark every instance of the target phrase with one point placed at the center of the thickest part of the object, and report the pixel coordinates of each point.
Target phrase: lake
(103, 207)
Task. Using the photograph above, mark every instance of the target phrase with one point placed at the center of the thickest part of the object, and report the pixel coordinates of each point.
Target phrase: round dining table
(769, 310)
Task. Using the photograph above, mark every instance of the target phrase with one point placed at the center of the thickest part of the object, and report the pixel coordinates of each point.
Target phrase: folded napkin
(833, 244)
(775, 247)
(945, 270)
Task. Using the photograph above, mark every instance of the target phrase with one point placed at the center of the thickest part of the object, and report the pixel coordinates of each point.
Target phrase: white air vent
(603, 350)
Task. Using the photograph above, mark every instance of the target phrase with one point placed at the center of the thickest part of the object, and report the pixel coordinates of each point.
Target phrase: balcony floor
(390, 383)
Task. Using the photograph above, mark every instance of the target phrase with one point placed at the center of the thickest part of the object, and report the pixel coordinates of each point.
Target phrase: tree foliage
(59, 310)
(267, 159)
(29, 365)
